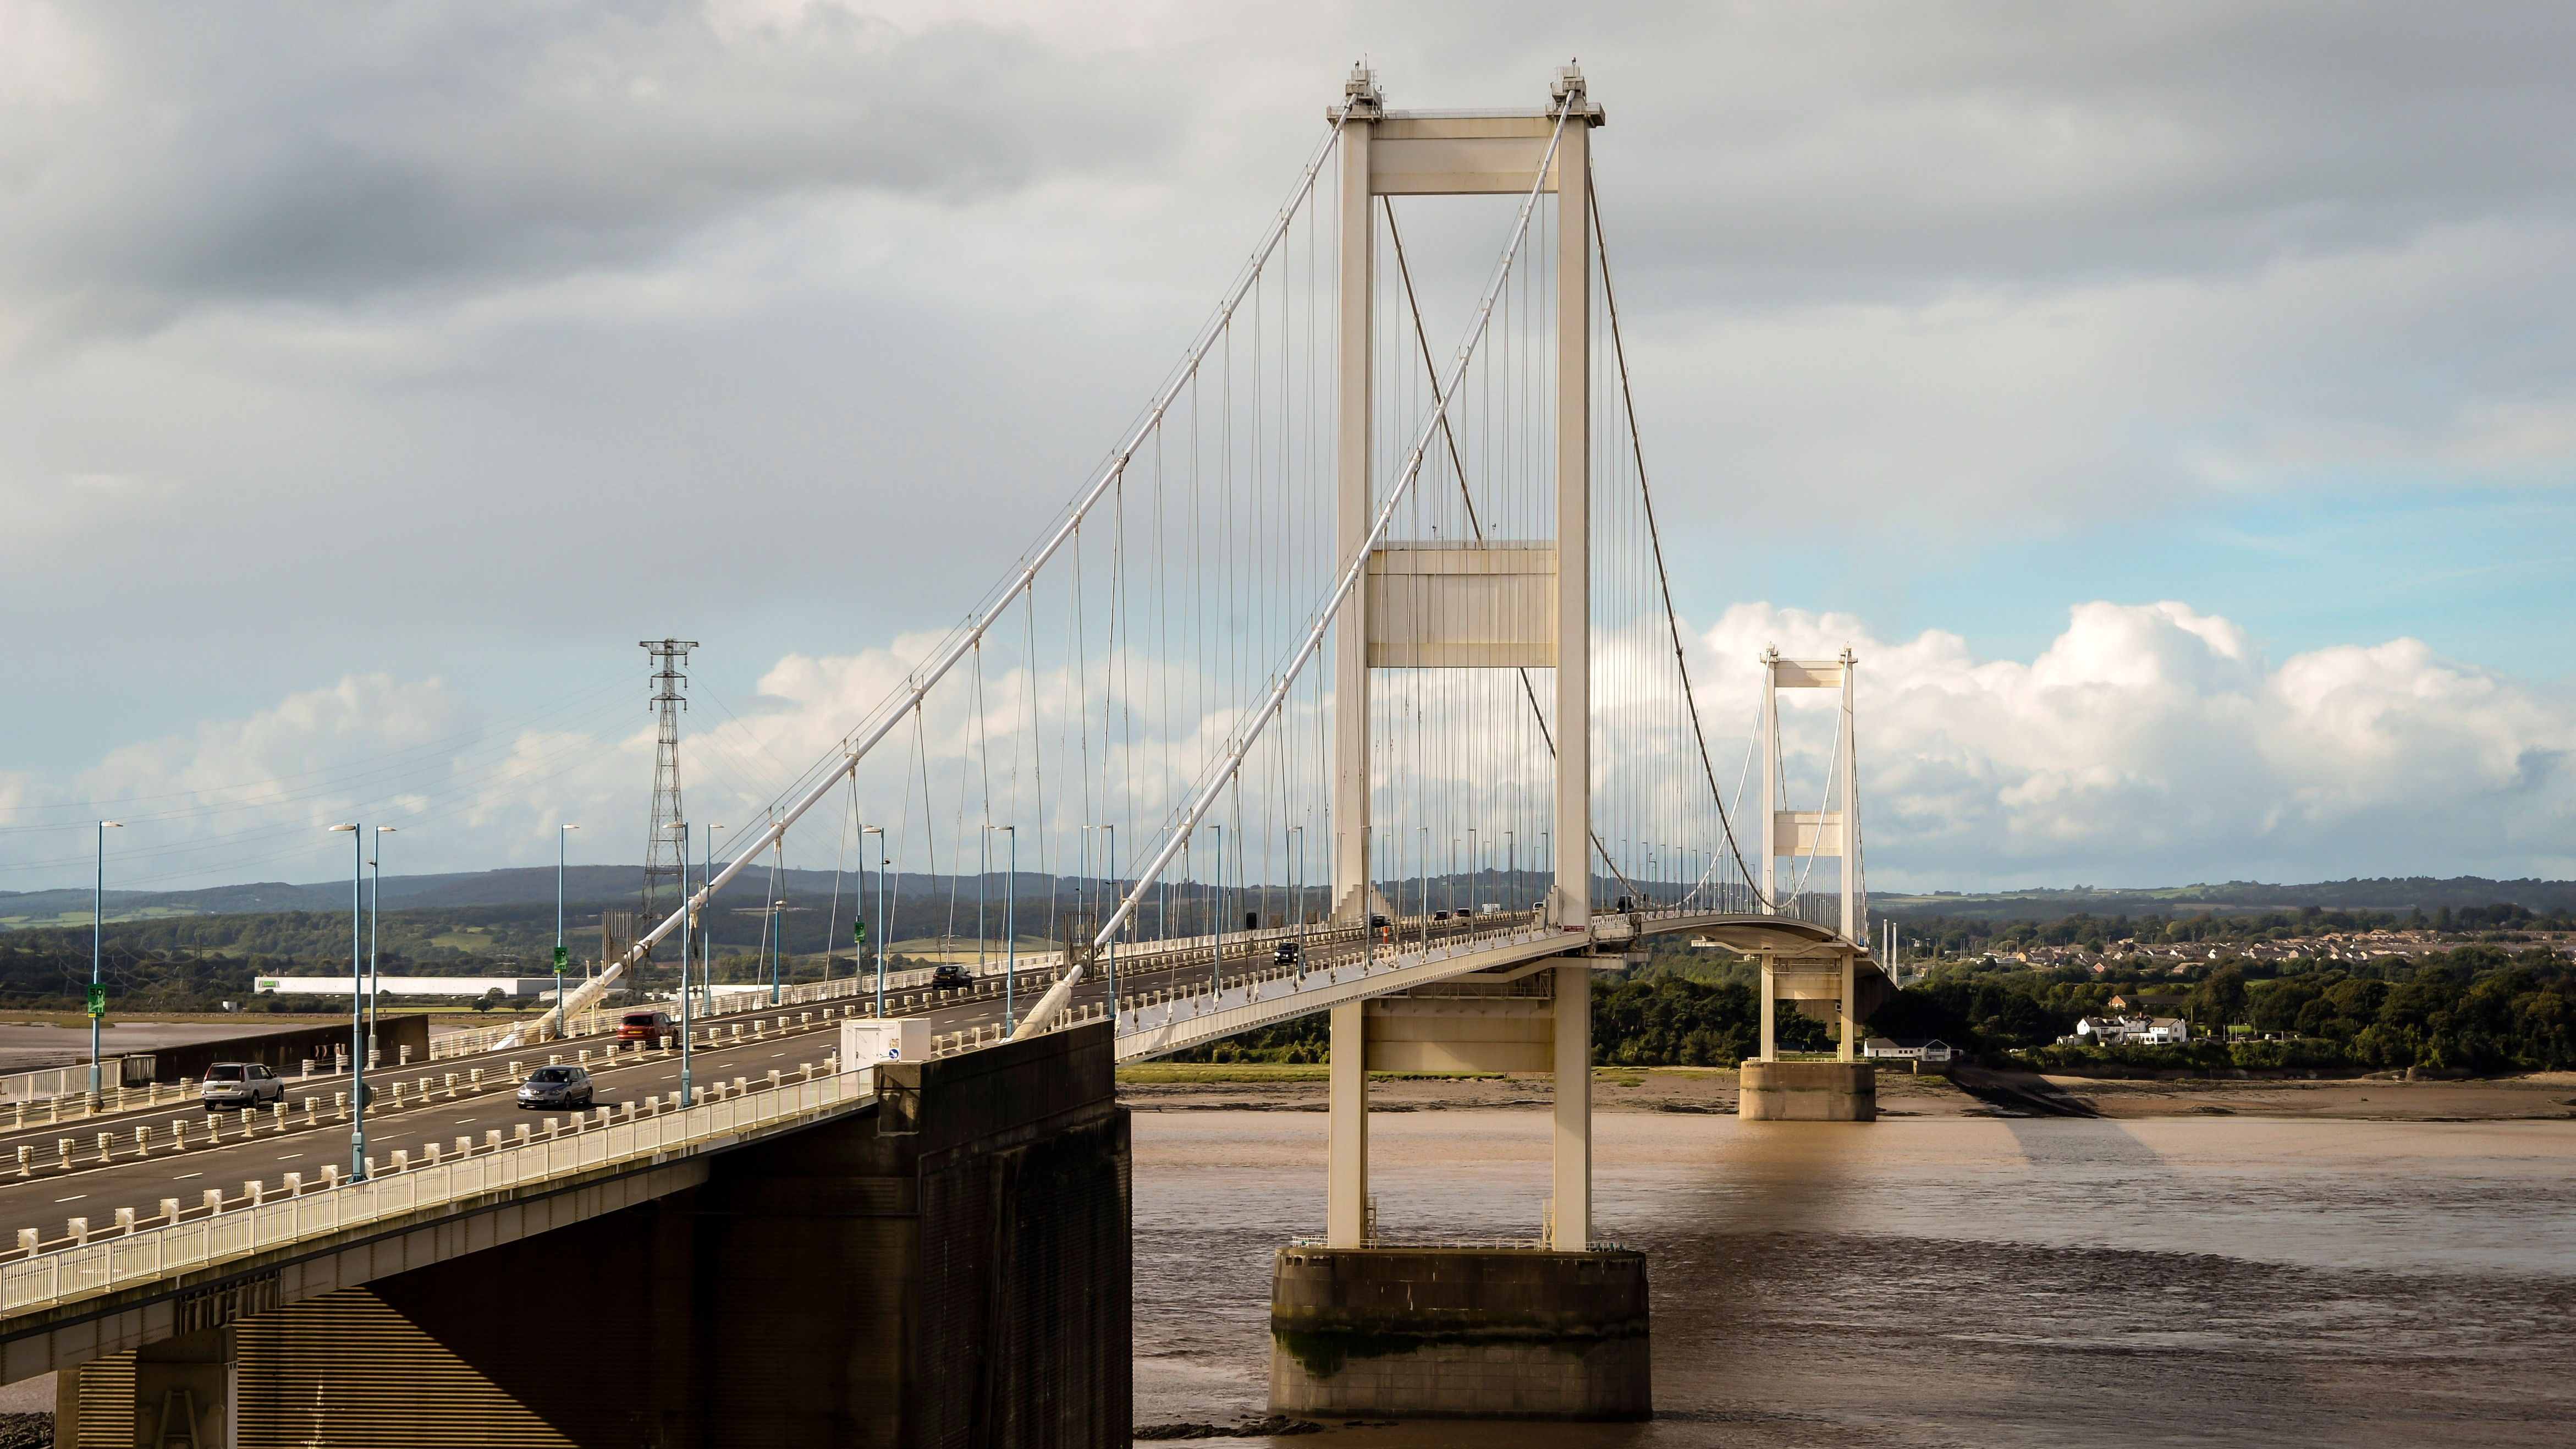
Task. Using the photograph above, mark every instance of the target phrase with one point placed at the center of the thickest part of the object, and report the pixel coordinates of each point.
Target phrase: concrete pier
(1807, 1092)
(1460, 1333)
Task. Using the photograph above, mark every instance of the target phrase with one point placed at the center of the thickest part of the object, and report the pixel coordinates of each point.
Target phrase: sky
(2174, 404)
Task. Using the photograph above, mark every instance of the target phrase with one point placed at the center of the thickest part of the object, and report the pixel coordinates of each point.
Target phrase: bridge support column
(1346, 1219)
(1570, 1226)
(1845, 1018)
(1770, 1014)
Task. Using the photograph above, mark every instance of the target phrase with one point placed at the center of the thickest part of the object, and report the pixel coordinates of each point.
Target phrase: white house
(1912, 1048)
(2132, 1031)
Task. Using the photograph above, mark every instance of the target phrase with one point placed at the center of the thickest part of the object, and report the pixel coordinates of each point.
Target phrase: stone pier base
(1807, 1092)
(1460, 1334)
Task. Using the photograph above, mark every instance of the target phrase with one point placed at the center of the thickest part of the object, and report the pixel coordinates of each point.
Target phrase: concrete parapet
(1807, 1092)
(948, 1265)
(1460, 1333)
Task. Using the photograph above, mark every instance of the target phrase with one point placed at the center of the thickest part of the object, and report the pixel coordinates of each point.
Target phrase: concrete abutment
(947, 1266)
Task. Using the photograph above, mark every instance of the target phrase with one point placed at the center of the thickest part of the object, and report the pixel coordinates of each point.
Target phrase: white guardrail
(73, 1081)
(142, 1255)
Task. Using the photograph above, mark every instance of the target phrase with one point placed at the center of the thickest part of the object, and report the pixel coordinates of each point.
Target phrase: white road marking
(75, 1197)
(290, 1157)
(183, 1177)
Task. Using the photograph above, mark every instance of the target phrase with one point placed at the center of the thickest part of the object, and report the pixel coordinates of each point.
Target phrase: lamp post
(97, 951)
(357, 1003)
(1422, 893)
(562, 833)
(707, 947)
(375, 921)
(1297, 897)
(1216, 980)
(777, 944)
(879, 832)
(1110, 858)
(1010, 925)
(688, 926)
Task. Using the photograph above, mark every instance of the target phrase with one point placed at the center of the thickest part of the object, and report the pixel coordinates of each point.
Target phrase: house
(1909, 1049)
(2132, 1031)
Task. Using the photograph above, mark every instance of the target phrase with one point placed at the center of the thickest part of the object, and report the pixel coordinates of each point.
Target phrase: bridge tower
(1494, 604)
(1824, 977)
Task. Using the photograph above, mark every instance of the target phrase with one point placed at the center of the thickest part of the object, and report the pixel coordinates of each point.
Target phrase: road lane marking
(183, 1177)
(75, 1197)
(290, 1157)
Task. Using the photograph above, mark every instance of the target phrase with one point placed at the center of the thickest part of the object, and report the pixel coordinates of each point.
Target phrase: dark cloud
(325, 152)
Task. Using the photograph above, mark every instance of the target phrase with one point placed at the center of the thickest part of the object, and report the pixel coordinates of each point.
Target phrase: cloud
(779, 323)
(2147, 744)
(2154, 744)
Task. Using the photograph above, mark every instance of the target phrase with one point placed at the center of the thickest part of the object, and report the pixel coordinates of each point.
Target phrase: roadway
(94, 1189)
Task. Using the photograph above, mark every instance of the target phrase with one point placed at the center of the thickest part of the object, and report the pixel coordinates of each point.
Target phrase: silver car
(240, 1084)
(556, 1087)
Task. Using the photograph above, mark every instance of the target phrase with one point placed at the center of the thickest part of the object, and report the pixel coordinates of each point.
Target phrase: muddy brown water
(1943, 1281)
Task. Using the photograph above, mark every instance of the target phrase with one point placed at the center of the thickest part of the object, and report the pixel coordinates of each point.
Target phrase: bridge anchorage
(1335, 598)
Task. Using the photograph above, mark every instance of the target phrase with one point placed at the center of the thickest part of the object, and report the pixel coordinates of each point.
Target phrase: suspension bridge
(1350, 681)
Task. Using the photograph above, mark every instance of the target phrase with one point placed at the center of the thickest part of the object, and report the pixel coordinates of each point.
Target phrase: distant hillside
(517, 887)
(2386, 893)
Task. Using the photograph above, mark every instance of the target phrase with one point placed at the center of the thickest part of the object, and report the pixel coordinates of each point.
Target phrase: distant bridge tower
(665, 864)
(1832, 831)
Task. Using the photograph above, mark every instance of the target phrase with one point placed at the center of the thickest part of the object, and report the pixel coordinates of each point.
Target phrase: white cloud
(2148, 744)
(2154, 744)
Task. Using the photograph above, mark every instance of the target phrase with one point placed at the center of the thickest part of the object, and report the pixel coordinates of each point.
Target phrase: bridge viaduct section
(945, 1264)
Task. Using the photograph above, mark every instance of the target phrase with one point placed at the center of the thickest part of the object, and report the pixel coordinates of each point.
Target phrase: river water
(1943, 1281)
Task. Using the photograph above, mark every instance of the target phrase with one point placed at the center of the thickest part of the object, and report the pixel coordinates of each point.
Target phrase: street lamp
(879, 832)
(375, 918)
(357, 1003)
(707, 947)
(1110, 858)
(1297, 897)
(1010, 924)
(688, 1087)
(97, 950)
(777, 944)
(562, 832)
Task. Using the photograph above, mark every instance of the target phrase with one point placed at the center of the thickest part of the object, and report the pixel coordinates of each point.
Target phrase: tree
(2220, 998)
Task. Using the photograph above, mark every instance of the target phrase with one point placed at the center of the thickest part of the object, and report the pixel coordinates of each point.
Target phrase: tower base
(1807, 1092)
(1460, 1333)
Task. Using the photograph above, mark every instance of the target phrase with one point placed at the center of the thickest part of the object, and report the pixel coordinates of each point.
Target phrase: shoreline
(2537, 1096)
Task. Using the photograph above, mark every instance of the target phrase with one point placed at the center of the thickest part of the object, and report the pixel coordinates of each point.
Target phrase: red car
(645, 1026)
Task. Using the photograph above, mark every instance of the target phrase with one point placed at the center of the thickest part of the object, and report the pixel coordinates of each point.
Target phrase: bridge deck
(1182, 1021)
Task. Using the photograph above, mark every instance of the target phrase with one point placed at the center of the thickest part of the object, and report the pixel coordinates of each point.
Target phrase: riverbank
(2538, 1096)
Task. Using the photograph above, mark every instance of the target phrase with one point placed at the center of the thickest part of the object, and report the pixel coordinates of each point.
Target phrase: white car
(240, 1084)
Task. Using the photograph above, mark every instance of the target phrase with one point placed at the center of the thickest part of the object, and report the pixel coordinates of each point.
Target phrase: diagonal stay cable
(820, 777)
(1458, 465)
(1355, 567)
(1672, 620)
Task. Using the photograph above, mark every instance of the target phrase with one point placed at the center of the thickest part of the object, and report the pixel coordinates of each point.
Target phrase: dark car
(240, 1084)
(1284, 954)
(645, 1026)
(556, 1087)
(946, 976)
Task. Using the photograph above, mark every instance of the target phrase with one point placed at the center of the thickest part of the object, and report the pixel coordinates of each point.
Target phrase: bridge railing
(147, 1254)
